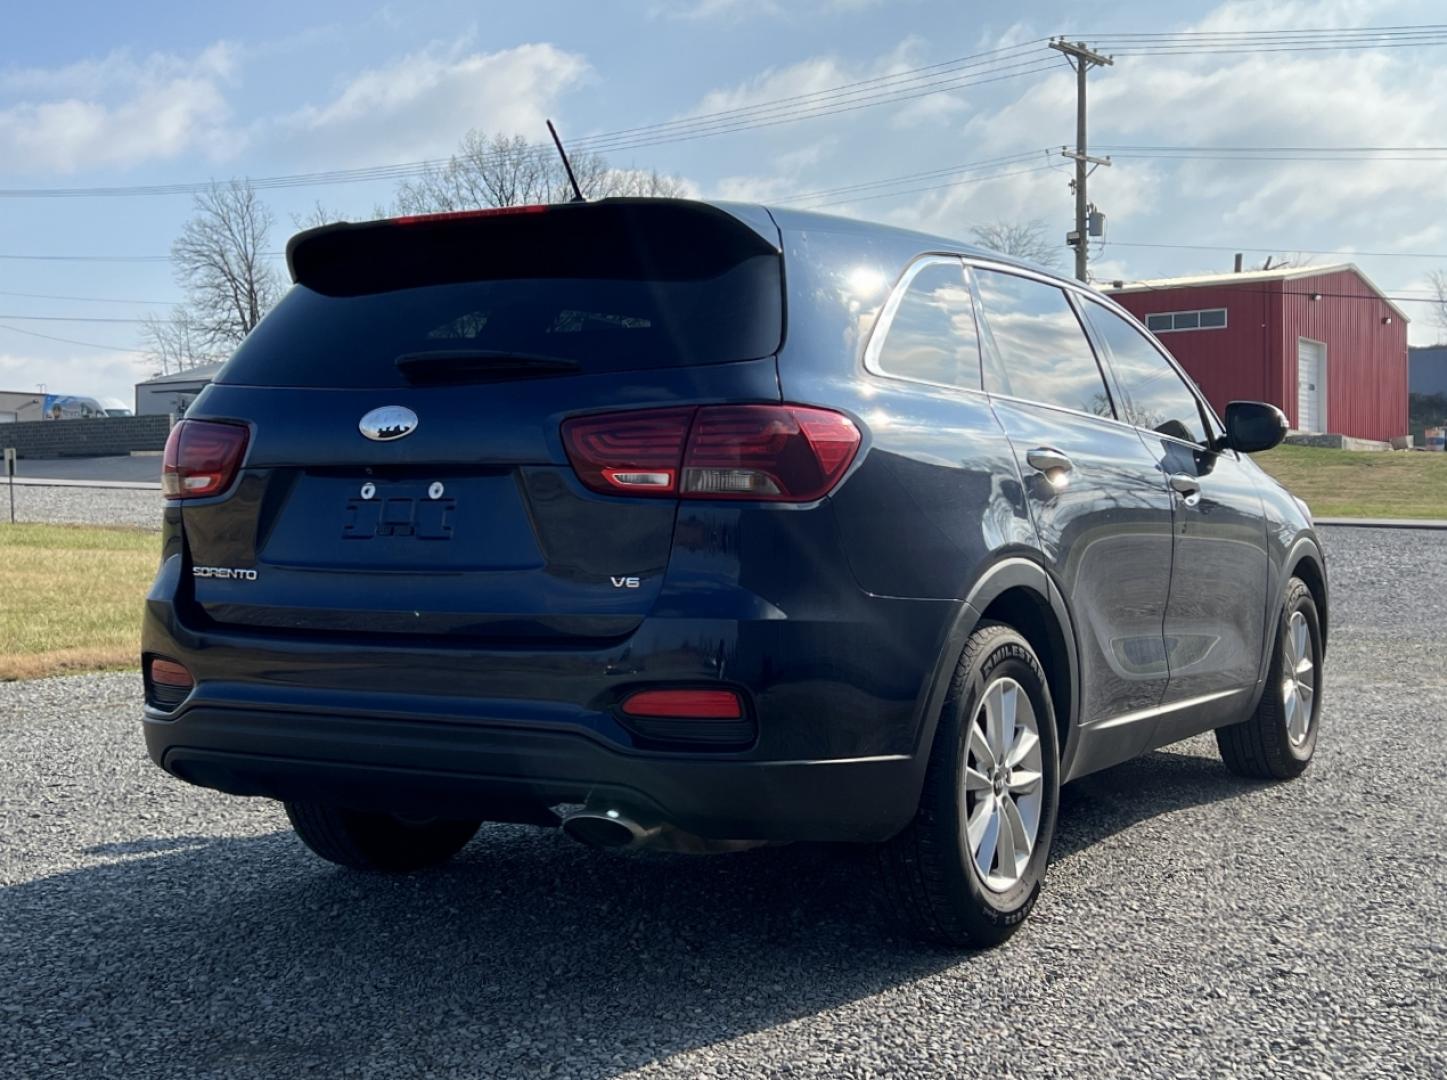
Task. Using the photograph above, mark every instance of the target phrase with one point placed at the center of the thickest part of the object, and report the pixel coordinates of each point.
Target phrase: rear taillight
(636, 452)
(201, 458)
(775, 453)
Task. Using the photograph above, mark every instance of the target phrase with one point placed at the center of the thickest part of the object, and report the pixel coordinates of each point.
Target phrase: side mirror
(1253, 426)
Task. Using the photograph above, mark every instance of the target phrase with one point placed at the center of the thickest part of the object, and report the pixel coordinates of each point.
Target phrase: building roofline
(200, 371)
(1247, 277)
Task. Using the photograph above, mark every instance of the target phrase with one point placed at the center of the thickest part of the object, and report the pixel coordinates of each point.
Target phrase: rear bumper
(838, 692)
(508, 773)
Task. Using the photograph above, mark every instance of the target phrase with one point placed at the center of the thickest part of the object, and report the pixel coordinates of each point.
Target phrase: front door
(1310, 385)
(1101, 510)
(1214, 620)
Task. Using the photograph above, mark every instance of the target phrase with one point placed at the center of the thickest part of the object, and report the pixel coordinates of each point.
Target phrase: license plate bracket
(399, 514)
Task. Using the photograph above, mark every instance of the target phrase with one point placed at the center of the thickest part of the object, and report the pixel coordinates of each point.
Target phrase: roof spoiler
(672, 239)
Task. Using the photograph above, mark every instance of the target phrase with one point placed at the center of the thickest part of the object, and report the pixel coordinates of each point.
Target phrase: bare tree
(320, 215)
(498, 170)
(1438, 282)
(1022, 240)
(1294, 260)
(175, 343)
(221, 262)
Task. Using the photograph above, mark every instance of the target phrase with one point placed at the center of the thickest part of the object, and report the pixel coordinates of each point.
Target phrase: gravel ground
(1193, 924)
(84, 506)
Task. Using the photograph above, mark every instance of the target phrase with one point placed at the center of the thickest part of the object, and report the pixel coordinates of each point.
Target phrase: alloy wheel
(1298, 685)
(1002, 784)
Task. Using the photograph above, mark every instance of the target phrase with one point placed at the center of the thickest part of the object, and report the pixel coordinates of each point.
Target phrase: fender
(1009, 572)
(1305, 547)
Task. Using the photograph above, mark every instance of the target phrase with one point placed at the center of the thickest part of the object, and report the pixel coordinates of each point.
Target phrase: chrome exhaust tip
(619, 830)
(605, 829)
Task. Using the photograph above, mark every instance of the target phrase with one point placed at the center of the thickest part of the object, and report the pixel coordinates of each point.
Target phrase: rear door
(476, 335)
(1215, 619)
(1100, 507)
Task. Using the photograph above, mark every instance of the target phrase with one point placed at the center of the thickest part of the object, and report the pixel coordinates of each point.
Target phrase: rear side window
(1152, 394)
(603, 288)
(1035, 347)
(931, 336)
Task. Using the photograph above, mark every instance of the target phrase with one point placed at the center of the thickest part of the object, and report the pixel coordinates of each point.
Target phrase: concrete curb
(1383, 523)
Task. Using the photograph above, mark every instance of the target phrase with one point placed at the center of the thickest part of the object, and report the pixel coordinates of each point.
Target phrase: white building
(173, 393)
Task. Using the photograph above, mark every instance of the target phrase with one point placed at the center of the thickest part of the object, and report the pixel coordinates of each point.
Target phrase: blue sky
(149, 93)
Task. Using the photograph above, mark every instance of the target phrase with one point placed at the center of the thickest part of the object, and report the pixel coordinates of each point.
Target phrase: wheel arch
(1307, 562)
(1018, 592)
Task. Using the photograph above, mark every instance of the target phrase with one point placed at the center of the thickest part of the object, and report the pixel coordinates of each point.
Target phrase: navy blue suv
(702, 526)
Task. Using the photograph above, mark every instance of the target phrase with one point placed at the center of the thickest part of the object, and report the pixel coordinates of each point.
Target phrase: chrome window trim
(880, 331)
(1080, 291)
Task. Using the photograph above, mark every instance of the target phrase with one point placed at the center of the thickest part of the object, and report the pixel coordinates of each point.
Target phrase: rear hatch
(462, 343)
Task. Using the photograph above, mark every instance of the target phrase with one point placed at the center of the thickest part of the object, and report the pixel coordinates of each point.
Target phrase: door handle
(1047, 459)
(1187, 485)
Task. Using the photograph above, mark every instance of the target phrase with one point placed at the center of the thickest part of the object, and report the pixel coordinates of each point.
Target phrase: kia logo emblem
(388, 423)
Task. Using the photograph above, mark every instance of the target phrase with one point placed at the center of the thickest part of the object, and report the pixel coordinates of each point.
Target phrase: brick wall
(86, 437)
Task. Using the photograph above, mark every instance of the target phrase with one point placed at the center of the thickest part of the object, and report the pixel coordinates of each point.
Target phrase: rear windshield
(645, 310)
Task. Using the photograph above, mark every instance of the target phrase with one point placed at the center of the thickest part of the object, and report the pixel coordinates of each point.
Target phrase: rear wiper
(479, 365)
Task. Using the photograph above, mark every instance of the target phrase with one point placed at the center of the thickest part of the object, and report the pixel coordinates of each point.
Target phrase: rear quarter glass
(607, 288)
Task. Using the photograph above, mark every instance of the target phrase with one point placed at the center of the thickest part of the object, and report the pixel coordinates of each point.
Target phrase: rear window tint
(604, 325)
(611, 286)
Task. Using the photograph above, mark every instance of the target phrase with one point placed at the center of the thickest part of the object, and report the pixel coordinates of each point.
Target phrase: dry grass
(1345, 483)
(70, 598)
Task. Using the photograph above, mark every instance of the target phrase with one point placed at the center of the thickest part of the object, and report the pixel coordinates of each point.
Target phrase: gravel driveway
(1193, 924)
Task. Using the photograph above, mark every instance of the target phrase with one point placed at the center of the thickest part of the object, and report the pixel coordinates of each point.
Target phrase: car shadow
(528, 954)
(1112, 801)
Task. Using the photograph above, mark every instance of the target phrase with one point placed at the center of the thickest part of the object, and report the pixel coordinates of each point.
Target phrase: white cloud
(116, 111)
(89, 375)
(419, 105)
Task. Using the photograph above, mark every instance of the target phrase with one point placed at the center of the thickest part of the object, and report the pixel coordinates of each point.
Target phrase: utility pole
(1082, 59)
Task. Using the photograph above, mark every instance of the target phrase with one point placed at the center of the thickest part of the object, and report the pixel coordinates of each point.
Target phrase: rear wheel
(369, 841)
(968, 869)
(1277, 741)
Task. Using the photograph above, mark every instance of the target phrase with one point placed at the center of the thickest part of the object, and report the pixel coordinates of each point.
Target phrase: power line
(1289, 32)
(1252, 41)
(949, 170)
(1285, 247)
(89, 258)
(114, 259)
(994, 65)
(936, 187)
(70, 318)
(65, 340)
(1147, 286)
(973, 70)
(88, 299)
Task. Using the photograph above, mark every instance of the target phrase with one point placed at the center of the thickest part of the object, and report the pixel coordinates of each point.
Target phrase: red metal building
(1322, 342)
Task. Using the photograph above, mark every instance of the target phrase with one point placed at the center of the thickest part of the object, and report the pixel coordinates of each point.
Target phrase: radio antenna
(568, 165)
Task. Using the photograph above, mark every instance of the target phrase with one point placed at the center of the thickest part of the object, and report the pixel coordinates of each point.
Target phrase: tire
(379, 842)
(930, 870)
(1267, 746)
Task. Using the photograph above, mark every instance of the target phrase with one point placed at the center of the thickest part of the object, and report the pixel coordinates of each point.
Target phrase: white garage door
(1310, 385)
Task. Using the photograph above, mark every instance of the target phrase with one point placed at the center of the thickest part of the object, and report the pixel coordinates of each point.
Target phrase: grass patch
(1347, 483)
(71, 598)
